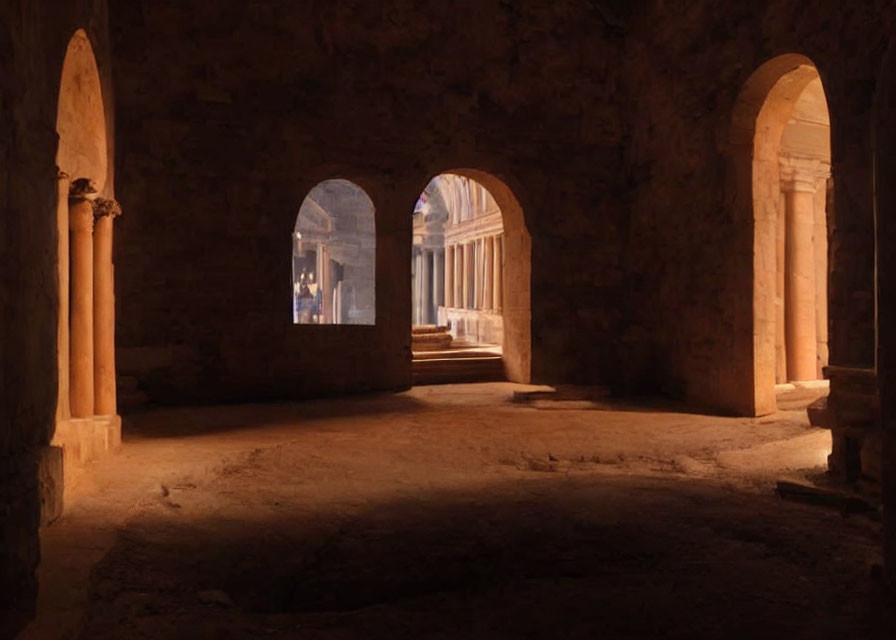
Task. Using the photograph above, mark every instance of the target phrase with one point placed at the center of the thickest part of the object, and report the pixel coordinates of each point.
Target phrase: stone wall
(689, 252)
(229, 114)
(610, 124)
(33, 41)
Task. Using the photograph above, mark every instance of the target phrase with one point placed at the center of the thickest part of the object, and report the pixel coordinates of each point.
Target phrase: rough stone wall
(33, 39)
(686, 253)
(229, 113)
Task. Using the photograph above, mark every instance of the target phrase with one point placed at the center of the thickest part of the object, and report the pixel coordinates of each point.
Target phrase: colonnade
(89, 302)
(473, 275)
(801, 288)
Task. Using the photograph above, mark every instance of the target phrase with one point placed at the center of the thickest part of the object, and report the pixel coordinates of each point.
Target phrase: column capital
(103, 207)
(802, 174)
(83, 189)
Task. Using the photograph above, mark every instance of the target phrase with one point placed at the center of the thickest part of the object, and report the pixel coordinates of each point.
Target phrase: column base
(86, 439)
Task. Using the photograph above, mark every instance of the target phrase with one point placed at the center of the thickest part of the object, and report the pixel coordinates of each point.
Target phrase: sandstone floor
(451, 512)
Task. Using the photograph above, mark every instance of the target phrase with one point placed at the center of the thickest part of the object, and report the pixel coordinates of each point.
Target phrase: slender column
(820, 243)
(498, 289)
(449, 276)
(426, 285)
(81, 359)
(780, 289)
(323, 283)
(63, 409)
(417, 293)
(489, 272)
(105, 212)
(798, 184)
(458, 276)
(438, 282)
(477, 273)
(468, 261)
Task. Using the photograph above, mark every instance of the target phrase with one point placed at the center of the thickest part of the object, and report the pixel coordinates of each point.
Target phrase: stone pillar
(468, 268)
(489, 272)
(798, 182)
(780, 293)
(426, 286)
(498, 290)
(438, 282)
(477, 273)
(459, 276)
(105, 212)
(449, 276)
(82, 350)
(415, 312)
(63, 408)
(820, 243)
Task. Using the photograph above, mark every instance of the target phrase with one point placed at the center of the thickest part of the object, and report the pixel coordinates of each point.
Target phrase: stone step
(423, 329)
(488, 368)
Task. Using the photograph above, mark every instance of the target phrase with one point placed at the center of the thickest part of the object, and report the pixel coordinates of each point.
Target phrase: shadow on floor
(619, 557)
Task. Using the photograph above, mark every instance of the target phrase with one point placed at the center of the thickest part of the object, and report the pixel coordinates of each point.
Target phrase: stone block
(50, 483)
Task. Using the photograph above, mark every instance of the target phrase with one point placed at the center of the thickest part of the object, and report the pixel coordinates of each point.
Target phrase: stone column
(415, 312)
(82, 351)
(820, 243)
(498, 289)
(63, 220)
(780, 292)
(489, 273)
(426, 286)
(438, 282)
(449, 276)
(798, 182)
(104, 212)
(468, 263)
(458, 276)
(477, 273)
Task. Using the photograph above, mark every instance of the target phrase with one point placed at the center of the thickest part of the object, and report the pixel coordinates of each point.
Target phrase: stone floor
(451, 512)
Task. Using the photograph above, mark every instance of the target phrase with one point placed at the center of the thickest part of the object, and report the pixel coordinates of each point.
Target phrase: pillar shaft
(468, 269)
(498, 289)
(780, 293)
(458, 276)
(103, 318)
(820, 243)
(63, 408)
(800, 324)
(449, 276)
(489, 272)
(438, 282)
(426, 285)
(82, 349)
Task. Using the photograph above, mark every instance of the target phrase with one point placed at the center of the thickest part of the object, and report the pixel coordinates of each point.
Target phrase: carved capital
(103, 207)
(803, 174)
(83, 189)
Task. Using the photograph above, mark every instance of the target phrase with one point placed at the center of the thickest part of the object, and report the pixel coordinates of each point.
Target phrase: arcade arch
(470, 280)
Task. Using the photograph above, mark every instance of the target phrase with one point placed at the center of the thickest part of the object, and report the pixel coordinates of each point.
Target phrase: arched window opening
(334, 256)
(457, 264)
(793, 141)
(470, 296)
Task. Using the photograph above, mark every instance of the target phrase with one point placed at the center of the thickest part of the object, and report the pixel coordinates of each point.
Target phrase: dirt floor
(452, 512)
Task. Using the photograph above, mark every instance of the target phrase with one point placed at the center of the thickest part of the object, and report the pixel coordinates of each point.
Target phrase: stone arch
(87, 421)
(759, 119)
(81, 115)
(516, 289)
(334, 256)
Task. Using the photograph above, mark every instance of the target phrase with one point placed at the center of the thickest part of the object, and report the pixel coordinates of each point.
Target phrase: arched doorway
(470, 281)
(334, 256)
(87, 424)
(781, 135)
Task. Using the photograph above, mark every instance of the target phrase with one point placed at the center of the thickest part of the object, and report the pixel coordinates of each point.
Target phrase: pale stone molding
(803, 174)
